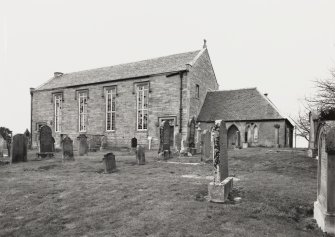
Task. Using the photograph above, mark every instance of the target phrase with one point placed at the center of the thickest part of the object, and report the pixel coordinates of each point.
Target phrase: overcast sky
(280, 46)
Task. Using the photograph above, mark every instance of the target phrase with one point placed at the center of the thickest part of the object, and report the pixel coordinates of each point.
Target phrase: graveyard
(273, 195)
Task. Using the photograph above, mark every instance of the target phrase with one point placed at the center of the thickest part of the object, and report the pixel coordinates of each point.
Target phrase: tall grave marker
(67, 147)
(164, 145)
(83, 145)
(324, 207)
(19, 148)
(222, 184)
(191, 136)
(47, 142)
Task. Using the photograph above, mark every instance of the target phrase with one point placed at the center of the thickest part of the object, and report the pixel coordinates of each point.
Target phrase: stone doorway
(233, 137)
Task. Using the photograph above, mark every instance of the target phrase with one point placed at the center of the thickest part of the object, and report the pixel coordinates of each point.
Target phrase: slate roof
(237, 105)
(171, 63)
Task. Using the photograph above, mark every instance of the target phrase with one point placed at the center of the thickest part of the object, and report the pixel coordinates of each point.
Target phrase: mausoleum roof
(171, 63)
(237, 105)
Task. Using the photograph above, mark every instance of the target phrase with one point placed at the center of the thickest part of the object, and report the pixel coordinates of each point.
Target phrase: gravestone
(2, 143)
(178, 141)
(222, 184)
(83, 146)
(191, 136)
(324, 207)
(164, 145)
(47, 142)
(67, 147)
(140, 155)
(133, 142)
(109, 162)
(103, 141)
(27, 133)
(19, 148)
(198, 143)
(206, 145)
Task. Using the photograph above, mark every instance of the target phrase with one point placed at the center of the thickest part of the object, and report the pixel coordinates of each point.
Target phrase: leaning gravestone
(222, 185)
(109, 162)
(19, 148)
(2, 142)
(83, 145)
(47, 142)
(67, 147)
(324, 207)
(191, 136)
(140, 155)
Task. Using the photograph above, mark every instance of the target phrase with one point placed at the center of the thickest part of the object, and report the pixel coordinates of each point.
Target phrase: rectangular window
(82, 103)
(197, 91)
(58, 111)
(142, 95)
(110, 108)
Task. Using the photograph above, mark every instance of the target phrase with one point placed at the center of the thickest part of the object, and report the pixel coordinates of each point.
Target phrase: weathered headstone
(47, 142)
(83, 146)
(67, 147)
(206, 145)
(2, 142)
(164, 145)
(27, 133)
(109, 162)
(191, 136)
(140, 155)
(133, 142)
(324, 207)
(178, 140)
(19, 148)
(221, 186)
(198, 143)
(103, 141)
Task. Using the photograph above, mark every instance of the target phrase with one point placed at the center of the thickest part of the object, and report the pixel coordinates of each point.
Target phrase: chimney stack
(58, 74)
(205, 46)
(266, 94)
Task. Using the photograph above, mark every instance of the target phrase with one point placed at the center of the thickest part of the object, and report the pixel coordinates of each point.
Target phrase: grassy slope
(51, 198)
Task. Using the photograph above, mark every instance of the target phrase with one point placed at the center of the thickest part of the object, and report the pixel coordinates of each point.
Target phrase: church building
(251, 118)
(124, 101)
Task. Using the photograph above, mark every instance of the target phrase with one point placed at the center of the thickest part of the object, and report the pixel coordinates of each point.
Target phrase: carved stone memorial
(324, 207)
(140, 155)
(191, 136)
(47, 142)
(109, 162)
(83, 145)
(221, 186)
(67, 147)
(164, 145)
(19, 148)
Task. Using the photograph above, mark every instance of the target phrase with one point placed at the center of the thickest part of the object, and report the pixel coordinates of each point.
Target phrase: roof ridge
(248, 88)
(142, 60)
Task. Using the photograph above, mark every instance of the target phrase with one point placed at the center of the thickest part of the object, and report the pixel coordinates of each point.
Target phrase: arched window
(255, 133)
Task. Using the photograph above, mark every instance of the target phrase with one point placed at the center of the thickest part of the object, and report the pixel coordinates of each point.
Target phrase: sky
(279, 46)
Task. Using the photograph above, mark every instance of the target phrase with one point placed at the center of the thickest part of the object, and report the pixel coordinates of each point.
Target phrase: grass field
(51, 198)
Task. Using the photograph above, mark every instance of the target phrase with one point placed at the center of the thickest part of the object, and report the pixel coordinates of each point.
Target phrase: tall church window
(142, 95)
(58, 111)
(82, 100)
(110, 108)
(255, 133)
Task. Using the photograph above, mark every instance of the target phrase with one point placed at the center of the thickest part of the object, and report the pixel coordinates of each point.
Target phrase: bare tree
(323, 102)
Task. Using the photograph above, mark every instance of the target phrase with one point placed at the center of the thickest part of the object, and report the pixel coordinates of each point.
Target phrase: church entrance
(233, 137)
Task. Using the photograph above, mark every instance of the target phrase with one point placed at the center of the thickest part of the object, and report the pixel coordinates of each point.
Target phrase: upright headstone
(19, 148)
(133, 143)
(27, 133)
(324, 207)
(191, 136)
(83, 146)
(140, 155)
(67, 147)
(164, 146)
(221, 186)
(2, 142)
(103, 141)
(177, 139)
(47, 142)
(206, 145)
(109, 162)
